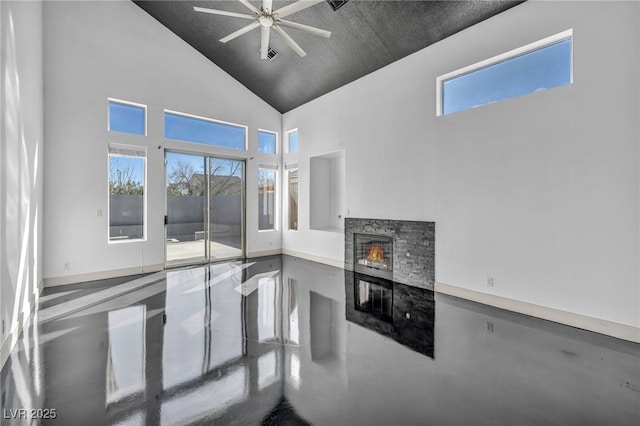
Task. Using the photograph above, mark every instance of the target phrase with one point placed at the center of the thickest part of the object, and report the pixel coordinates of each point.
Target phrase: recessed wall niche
(327, 193)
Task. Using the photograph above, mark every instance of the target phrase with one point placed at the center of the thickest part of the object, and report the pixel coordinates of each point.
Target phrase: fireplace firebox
(373, 255)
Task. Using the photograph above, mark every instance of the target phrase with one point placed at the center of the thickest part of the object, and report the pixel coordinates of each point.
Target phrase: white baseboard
(314, 258)
(93, 276)
(597, 325)
(262, 253)
(16, 331)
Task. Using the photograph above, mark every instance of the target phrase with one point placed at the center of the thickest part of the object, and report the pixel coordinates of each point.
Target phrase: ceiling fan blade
(223, 12)
(292, 44)
(241, 31)
(306, 28)
(264, 44)
(250, 6)
(295, 7)
(266, 5)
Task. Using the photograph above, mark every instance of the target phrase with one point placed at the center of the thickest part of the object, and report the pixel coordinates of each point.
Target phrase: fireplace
(374, 255)
(402, 251)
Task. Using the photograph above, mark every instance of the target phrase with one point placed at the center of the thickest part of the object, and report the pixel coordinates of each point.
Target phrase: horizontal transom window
(541, 65)
(190, 128)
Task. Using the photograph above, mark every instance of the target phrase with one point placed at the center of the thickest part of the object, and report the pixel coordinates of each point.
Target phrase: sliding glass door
(226, 207)
(205, 208)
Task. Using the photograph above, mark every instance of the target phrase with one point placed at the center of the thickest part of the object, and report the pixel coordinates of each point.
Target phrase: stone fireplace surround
(413, 248)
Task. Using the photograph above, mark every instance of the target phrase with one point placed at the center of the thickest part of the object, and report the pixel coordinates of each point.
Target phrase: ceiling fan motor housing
(266, 19)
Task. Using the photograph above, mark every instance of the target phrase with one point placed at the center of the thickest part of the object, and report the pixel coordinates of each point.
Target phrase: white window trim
(269, 166)
(119, 149)
(122, 102)
(211, 120)
(536, 45)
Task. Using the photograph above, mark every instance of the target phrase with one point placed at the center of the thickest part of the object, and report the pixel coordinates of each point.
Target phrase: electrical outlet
(489, 327)
(99, 212)
(3, 327)
(67, 266)
(489, 281)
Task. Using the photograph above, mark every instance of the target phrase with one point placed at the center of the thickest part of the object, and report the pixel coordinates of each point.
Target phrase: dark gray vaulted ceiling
(366, 36)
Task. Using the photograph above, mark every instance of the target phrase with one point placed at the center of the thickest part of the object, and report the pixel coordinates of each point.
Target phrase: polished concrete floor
(284, 341)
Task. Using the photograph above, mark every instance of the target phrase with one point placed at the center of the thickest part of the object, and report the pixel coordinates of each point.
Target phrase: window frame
(289, 133)
(290, 168)
(274, 168)
(503, 57)
(128, 151)
(128, 103)
(275, 147)
(211, 120)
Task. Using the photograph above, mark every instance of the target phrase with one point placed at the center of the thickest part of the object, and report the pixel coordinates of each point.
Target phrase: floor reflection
(404, 313)
(200, 317)
(126, 353)
(280, 340)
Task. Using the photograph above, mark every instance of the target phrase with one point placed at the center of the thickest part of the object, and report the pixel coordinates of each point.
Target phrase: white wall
(540, 192)
(21, 153)
(326, 192)
(96, 50)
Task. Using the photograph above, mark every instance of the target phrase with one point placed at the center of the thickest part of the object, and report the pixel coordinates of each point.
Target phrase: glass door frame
(207, 157)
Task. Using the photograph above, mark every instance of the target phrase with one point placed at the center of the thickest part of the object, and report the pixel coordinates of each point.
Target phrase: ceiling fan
(266, 19)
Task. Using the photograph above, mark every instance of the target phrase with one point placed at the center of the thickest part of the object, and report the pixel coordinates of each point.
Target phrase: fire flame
(376, 254)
